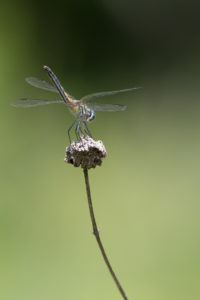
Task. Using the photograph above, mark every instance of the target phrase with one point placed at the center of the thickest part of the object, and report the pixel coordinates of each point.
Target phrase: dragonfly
(83, 109)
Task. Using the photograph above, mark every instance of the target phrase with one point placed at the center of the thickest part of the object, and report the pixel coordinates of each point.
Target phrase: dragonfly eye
(91, 116)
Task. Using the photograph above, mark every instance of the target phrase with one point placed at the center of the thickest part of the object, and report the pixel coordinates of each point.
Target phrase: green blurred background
(146, 194)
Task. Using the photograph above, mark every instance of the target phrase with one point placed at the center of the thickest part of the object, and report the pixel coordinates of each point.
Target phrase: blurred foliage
(146, 194)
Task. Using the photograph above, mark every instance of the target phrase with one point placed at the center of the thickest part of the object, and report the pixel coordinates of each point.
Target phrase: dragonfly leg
(78, 126)
(69, 129)
(81, 130)
(86, 129)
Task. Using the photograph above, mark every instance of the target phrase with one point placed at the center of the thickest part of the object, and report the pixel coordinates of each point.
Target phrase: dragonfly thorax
(86, 113)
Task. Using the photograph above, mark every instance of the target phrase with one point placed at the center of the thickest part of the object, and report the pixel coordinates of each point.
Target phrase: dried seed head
(86, 153)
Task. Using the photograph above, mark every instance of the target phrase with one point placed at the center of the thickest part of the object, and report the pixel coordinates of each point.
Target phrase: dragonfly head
(85, 113)
(91, 115)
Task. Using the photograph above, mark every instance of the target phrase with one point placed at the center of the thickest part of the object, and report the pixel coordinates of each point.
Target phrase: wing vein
(27, 102)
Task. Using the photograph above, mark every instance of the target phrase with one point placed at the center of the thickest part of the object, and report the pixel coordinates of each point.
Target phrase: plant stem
(96, 233)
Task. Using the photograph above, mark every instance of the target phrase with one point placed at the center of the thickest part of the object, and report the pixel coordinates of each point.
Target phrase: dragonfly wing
(109, 93)
(41, 84)
(106, 107)
(27, 102)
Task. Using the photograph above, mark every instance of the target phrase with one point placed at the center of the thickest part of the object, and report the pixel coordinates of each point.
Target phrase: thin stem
(96, 233)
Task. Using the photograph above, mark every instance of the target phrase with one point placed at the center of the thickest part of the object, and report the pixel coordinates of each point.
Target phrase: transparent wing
(27, 102)
(41, 84)
(106, 107)
(109, 93)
